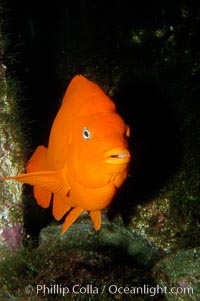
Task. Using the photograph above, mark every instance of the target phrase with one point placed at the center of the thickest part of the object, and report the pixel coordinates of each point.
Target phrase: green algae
(78, 257)
(180, 269)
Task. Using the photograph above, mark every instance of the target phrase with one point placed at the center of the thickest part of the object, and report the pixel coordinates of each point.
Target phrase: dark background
(144, 54)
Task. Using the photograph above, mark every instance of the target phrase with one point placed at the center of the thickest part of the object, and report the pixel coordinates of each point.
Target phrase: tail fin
(38, 160)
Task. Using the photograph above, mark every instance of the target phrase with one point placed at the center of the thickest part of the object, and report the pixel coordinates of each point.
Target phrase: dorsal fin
(85, 97)
(76, 83)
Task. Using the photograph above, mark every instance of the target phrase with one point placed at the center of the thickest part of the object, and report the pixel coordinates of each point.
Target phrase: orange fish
(87, 157)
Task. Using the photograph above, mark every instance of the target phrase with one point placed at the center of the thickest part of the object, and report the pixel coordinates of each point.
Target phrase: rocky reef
(11, 160)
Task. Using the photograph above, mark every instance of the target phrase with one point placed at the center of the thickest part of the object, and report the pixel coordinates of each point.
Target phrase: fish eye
(86, 133)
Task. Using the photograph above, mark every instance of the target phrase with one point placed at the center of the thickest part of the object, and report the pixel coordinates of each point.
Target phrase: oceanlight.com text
(111, 289)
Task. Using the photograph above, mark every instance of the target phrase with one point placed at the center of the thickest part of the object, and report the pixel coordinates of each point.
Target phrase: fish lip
(118, 155)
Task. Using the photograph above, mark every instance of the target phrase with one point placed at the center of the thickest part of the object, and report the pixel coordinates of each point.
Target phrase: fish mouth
(118, 155)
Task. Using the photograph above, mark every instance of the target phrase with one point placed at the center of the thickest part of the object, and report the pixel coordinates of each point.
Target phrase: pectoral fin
(53, 181)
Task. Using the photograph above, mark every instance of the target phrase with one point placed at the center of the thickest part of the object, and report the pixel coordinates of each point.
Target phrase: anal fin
(71, 217)
(96, 218)
(42, 196)
(60, 206)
